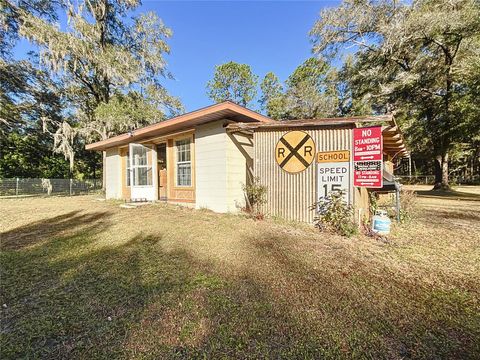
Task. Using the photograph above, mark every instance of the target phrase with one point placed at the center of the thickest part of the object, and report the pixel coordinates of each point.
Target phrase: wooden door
(162, 171)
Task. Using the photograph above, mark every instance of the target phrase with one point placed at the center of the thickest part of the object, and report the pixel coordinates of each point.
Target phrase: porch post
(155, 171)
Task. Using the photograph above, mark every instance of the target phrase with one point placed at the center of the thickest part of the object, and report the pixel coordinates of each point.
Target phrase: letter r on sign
(307, 150)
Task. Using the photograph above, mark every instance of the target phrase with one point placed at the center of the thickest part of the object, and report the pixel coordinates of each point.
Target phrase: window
(142, 171)
(184, 164)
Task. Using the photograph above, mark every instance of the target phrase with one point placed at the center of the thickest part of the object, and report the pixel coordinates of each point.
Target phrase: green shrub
(255, 197)
(334, 214)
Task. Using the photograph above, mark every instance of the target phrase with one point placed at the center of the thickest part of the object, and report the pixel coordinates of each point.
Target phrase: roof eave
(184, 120)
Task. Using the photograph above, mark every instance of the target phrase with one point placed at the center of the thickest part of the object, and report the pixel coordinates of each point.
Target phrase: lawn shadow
(452, 194)
(44, 229)
(473, 216)
(72, 296)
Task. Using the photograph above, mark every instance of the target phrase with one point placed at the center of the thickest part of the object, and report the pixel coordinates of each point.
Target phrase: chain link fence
(416, 179)
(430, 179)
(38, 187)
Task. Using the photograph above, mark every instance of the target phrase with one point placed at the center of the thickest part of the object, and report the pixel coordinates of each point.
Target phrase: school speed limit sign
(333, 173)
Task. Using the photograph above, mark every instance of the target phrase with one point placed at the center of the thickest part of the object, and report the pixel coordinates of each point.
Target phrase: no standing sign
(368, 157)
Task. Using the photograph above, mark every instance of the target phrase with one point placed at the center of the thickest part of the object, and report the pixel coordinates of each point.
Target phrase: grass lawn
(81, 278)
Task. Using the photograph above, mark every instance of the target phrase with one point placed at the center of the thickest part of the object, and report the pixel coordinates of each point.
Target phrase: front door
(141, 180)
(162, 171)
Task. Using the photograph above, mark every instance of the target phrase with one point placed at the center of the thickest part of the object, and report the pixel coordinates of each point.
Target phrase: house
(203, 158)
(189, 160)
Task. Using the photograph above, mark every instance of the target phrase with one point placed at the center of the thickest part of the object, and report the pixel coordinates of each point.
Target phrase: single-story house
(203, 158)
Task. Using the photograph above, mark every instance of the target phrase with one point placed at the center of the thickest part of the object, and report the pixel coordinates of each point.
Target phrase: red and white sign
(368, 157)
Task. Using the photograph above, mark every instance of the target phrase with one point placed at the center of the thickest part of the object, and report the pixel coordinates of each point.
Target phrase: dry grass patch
(86, 279)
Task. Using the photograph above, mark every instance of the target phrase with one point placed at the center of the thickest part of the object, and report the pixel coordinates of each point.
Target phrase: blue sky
(267, 35)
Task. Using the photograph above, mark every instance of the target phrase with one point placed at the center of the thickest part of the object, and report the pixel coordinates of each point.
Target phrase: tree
(273, 98)
(9, 20)
(350, 101)
(233, 81)
(28, 154)
(310, 92)
(103, 58)
(411, 60)
(28, 94)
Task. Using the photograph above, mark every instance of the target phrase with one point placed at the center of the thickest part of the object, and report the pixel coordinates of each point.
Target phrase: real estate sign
(368, 157)
(333, 173)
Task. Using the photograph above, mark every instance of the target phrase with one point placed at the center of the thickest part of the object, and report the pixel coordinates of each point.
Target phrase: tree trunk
(441, 172)
(445, 184)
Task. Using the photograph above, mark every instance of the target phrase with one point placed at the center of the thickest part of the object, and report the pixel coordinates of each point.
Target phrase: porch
(160, 169)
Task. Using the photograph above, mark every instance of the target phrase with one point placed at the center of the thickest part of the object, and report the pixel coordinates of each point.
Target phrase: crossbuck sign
(295, 151)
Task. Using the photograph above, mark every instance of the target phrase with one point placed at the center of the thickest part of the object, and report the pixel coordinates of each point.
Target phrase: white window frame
(189, 140)
(128, 169)
(136, 166)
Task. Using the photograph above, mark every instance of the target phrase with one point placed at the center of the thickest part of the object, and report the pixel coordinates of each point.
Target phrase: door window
(127, 158)
(141, 166)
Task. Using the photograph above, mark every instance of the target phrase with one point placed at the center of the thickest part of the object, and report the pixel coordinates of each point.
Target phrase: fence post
(16, 187)
(71, 183)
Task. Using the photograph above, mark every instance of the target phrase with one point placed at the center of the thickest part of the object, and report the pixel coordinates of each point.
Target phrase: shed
(290, 195)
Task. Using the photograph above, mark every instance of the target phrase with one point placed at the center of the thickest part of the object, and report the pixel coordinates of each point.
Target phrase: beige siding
(210, 167)
(291, 195)
(222, 165)
(239, 169)
(113, 185)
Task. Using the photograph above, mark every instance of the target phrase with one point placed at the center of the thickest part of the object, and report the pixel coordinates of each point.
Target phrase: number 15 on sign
(333, 177)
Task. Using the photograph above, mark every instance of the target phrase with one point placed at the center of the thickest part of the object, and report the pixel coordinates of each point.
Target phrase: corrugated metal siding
(290, 196)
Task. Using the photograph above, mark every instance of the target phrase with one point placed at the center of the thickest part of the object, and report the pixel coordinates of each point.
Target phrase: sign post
(368, 157)
(333, 173)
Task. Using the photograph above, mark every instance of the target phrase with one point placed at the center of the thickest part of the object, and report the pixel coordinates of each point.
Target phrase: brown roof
(303, 123)
(225, 110)
(393, 142)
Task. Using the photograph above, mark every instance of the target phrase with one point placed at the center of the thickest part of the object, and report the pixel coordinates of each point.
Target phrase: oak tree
(411, 59)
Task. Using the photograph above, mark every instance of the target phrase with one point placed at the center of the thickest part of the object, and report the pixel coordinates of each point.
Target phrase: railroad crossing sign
(295, 151)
